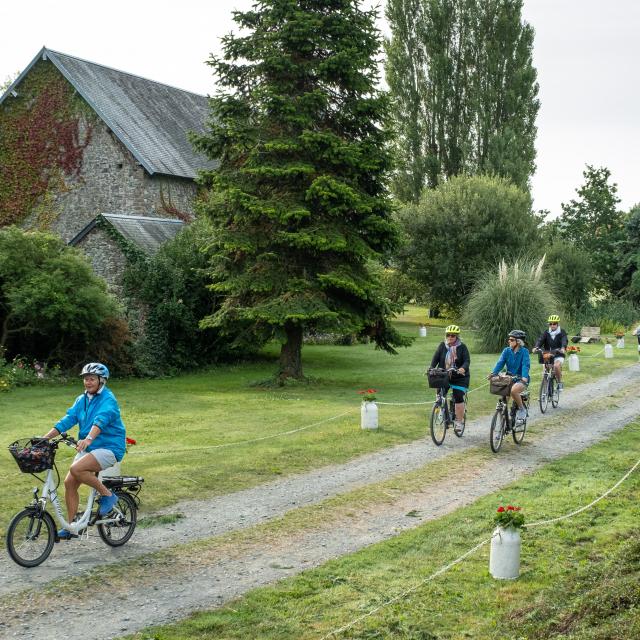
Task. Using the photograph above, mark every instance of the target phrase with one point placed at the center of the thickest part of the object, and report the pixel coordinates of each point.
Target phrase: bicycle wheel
(543, 398)
(496, 434)
(116, 534)
(554, 393)
(519, 429)
(30, 537)
(438, 425)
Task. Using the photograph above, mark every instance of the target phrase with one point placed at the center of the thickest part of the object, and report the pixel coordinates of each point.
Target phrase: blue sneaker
(63, 534)
(107, 503)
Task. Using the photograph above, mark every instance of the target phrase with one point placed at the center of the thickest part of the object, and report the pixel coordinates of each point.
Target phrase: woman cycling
(515, 358)
(453, 353)
(101, 440)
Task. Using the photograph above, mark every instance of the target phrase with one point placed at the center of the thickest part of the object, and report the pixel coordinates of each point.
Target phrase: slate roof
(145, 232)
(151, 119)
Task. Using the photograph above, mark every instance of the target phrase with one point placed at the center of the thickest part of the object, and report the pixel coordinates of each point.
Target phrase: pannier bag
(500, 385)
(33, 455)
(438, 378)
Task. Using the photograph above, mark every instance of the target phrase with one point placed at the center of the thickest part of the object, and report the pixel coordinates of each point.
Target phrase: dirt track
(162, 593)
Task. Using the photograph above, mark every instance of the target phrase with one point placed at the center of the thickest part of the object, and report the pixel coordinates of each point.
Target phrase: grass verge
(579, 577)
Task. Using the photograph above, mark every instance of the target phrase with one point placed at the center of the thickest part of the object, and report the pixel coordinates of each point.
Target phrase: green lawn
(179, 422)
(580, 578)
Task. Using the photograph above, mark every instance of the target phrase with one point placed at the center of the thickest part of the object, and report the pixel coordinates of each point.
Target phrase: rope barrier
(239, 442)
(405, 404)
(465, 555)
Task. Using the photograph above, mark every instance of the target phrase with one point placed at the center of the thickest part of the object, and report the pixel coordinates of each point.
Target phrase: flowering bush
(19, 372)
(509, 516)
(368, 395)
(619, 334)
(573, 349)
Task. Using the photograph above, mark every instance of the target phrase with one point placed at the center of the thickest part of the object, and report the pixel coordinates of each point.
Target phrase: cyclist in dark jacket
(453, 353)
(554, 339)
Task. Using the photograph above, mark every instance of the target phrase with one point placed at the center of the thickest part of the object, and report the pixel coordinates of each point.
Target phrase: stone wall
(112, 181)
(106, 258)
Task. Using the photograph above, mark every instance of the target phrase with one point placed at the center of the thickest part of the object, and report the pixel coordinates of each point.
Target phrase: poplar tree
(464, 91)
(298, 204)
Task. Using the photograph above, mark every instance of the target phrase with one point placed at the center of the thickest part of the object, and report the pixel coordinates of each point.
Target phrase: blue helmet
(95, 369)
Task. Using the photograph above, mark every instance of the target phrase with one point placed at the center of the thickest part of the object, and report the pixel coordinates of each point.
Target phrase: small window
(119, 165)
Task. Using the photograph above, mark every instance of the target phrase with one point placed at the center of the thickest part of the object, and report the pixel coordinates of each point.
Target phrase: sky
(586, 53)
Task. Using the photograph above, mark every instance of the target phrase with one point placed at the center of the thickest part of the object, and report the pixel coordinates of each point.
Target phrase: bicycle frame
(50, 493)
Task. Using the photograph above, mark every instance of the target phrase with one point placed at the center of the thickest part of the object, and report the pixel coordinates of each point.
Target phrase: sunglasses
(512, 340)
(452, 335)
(553, 324)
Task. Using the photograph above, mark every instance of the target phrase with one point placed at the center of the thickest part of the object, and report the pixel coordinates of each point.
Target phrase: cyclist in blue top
(101, 440)
(515, 358)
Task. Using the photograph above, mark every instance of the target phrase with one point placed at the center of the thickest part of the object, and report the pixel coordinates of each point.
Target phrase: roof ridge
(125, 216)
(126, 73)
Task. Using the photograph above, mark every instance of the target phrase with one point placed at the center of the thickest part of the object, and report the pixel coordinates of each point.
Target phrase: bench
(587, 335)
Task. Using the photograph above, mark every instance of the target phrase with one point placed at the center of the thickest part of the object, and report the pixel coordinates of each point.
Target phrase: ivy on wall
(43, 134)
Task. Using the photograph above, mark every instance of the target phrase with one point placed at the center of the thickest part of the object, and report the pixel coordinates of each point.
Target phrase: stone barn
(85, 148)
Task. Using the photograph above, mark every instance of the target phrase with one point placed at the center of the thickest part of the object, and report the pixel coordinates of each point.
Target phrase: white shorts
(105, 457)
(559, 359)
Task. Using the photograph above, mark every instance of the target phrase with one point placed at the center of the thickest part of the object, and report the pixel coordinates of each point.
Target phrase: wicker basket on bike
(438, 378)
(500, 385)
(546, 357)
(33, 455)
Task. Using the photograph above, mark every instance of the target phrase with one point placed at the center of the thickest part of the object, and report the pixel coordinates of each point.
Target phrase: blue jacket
(517, 363)
(103, 411)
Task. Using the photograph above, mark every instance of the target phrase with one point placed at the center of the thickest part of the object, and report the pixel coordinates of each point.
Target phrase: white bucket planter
(369, 415)
(608, 351)
(504, 558)
(422, 331)
(574, 362)
(620, 343)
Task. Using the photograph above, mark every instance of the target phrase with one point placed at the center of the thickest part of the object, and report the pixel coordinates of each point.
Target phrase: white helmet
(95, 369)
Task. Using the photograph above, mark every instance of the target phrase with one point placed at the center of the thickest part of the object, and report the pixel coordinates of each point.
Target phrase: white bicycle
(32, 532)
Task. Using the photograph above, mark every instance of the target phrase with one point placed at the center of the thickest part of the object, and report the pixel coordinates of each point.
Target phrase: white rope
(593, 355)
(407, 592)
(577, 511)
(239, 442)
(406, 404)
(471, 551)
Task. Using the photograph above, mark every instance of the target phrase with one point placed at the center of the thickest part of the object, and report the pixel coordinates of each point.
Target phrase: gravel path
(176, 593)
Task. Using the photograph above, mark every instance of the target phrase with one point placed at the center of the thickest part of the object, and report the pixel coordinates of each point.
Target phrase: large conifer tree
(298, 203)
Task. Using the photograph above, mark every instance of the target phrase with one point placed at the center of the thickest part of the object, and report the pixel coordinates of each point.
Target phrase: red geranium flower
(500, 509)
(131, 441)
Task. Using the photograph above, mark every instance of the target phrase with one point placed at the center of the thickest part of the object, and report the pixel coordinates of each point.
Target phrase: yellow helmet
(553, 318)
(452, 328)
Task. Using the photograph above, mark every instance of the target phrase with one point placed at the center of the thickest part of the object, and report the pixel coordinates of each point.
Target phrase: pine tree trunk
(291, 354)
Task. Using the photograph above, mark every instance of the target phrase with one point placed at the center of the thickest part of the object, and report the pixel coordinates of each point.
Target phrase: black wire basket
(437, 378)
(33, 455)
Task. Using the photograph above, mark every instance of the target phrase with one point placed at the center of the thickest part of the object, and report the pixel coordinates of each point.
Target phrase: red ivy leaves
(40, 140)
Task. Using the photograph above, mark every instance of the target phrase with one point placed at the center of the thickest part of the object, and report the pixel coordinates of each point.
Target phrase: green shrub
(459, 229)
(510, 297)
(53, 308)
(568, 270)
(609, 315)
(171, 294)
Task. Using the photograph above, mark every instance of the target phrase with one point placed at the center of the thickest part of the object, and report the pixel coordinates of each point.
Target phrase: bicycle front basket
(500, 385)
(438, 378)
(33, 455)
